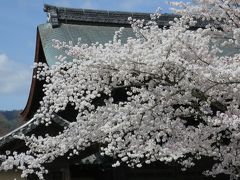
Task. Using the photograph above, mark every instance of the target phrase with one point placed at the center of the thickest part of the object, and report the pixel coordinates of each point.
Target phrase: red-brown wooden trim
(36, 86)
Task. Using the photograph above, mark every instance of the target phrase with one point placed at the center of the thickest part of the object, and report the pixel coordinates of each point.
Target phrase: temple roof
(71, 32)
(30, 128)
(69, 24)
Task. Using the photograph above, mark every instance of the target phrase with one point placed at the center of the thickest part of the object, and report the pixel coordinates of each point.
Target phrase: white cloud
(14, 77)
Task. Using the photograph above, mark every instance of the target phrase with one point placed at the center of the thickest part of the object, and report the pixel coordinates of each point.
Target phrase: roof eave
(35, 89)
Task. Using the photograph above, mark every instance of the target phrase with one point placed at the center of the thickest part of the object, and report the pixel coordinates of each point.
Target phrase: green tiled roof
(69, 24)
(71, 32)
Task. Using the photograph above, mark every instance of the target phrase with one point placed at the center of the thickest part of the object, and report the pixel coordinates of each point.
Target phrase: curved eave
(36, 94)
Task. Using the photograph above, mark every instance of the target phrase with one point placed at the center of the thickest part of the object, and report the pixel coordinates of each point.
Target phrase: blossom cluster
(167, 94)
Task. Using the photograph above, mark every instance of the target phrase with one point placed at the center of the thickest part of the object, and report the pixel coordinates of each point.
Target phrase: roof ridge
(58, 15)
(48, 7)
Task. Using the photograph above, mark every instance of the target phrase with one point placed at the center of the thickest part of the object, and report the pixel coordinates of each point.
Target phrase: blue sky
(18, 22)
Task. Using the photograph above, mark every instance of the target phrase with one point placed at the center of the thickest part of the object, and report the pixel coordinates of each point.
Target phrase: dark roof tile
(82, 16)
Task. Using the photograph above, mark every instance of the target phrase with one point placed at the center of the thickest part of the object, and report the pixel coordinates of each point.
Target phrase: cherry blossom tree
(179, 97)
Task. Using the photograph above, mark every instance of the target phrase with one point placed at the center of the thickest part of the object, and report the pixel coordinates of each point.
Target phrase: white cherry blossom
(169, 94)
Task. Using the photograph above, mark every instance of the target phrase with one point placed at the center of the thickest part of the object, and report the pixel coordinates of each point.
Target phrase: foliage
(9, 120)
(169, 94)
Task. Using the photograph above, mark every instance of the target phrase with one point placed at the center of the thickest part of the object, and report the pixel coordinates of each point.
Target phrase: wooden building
(67, 24)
